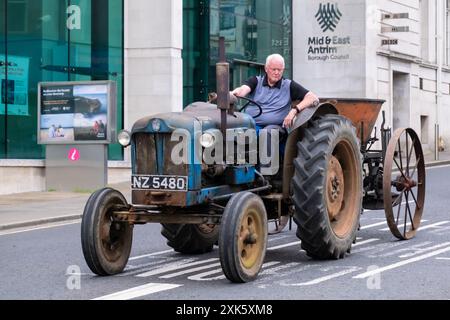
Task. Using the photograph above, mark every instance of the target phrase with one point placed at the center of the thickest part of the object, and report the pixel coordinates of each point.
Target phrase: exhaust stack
(223, 86)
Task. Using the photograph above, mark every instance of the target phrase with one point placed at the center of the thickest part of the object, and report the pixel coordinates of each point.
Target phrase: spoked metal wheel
(243, 237)
(106, 243)
(404, 183)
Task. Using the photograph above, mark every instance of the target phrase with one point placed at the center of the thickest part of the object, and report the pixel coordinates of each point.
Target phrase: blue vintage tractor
(327, 175)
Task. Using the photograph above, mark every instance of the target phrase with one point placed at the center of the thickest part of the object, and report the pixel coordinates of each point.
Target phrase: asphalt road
(47, 263)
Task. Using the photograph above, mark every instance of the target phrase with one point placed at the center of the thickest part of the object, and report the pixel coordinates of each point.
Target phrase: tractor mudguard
(327, 107)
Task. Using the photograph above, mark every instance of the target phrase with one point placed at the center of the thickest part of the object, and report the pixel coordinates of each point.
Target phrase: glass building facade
(252, 30)
(79, 40)
(54, 40)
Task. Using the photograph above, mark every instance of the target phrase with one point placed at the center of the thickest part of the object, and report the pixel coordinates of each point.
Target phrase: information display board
(77, 112)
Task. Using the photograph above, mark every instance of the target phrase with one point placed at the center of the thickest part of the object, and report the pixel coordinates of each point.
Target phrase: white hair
(275, 56)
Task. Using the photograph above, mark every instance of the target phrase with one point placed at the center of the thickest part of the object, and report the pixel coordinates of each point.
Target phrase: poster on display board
(76, 112)
(14, 85)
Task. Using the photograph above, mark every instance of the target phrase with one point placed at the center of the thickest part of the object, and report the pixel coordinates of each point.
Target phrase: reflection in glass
(54, 40)
(252, 30)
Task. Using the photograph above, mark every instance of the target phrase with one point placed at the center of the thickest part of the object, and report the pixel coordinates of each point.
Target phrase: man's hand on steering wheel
(250, 101)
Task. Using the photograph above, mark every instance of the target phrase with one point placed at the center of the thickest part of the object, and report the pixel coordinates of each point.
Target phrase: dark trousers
(273, 167)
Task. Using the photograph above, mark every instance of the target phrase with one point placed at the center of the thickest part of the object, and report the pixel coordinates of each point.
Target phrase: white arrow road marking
(150, 254)
(275, 270)
(203, 276)
(174, 266)
(139, 291)
(324, 278)
(402, 263)
(176, 274)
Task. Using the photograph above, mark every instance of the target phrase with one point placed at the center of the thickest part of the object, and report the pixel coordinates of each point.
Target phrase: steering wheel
(249, 101)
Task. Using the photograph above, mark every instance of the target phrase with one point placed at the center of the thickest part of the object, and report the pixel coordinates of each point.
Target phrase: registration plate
(145, 182)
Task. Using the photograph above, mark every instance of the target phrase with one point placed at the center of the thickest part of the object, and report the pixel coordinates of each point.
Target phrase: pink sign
(74, 154)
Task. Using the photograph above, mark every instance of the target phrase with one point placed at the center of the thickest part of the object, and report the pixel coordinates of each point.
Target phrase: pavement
(33, 209)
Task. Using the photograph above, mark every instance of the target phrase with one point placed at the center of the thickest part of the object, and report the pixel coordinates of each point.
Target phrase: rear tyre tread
(188, 239)
(311, 217)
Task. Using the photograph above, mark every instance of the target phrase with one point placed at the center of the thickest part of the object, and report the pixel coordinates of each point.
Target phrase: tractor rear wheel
(190, 238)
(327, 187)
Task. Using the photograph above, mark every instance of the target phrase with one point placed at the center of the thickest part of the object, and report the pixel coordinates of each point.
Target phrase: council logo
(328, 16)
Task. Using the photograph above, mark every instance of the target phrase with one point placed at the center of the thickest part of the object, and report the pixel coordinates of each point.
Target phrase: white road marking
(373, 225)
(380, 247)
(274, 270)
(417, 251)
(174, 266)
(203, 276)
(324, 278)
(402, 263)
(400, 251)
(47, 226)
(434, 225)
(176, 274)
(139, 291)
(442, 258)
(150, 254)
(139, 268)
(290, 244)
(365, 242)
(408, 224)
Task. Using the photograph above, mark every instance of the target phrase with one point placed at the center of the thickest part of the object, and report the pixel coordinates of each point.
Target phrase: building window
(424, 127)
(421, 83)
(252, 30)
(44, 40)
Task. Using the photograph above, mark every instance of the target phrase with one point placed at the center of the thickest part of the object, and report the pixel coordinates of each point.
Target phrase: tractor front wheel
(243, 237)
(106, 243)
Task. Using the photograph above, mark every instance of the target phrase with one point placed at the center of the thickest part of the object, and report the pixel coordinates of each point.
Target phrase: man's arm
(242, 91)
(310, 100)
(248, 87)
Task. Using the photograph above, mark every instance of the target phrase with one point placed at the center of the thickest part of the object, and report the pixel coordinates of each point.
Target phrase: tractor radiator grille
(153, 155)
(145, 153)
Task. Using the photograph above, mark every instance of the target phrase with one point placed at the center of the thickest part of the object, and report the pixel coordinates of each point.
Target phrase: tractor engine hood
(198, 112)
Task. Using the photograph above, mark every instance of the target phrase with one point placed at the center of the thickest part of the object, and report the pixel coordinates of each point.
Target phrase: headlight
(207, 140)
(124, 138)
